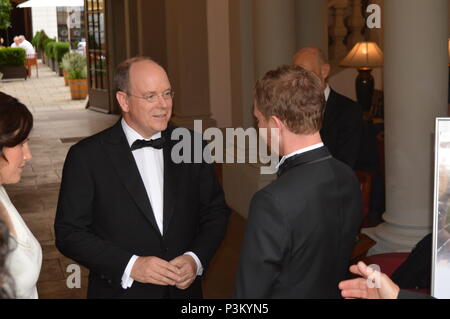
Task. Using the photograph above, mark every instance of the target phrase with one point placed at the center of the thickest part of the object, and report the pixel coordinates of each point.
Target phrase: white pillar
(274, 34)
(219, 61)
(188, 61)
(415, 79)
(312, 24)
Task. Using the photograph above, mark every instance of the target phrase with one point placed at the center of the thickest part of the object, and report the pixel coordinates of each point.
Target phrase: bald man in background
(342, 124)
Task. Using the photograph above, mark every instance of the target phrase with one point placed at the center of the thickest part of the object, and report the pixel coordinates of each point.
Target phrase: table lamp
(364, 56)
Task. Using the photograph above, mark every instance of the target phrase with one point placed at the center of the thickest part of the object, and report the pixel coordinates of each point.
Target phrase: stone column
(273, 31)
(274, 34)
(187, 59)
(312, 24)
(415, 80)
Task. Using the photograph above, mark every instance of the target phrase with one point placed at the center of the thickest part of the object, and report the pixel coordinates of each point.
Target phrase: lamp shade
(364, 55)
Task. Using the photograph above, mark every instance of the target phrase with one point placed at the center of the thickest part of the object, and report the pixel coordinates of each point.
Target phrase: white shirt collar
(327, 92)
(299, 151)
(132, 135)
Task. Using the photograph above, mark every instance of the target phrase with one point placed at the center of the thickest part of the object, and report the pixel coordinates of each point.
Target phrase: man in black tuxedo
(144, 226)
(342, 123)
(302, 227)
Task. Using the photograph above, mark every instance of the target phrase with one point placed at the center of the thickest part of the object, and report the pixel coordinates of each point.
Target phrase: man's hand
(188, 270)
(365, 287)
(153, 270)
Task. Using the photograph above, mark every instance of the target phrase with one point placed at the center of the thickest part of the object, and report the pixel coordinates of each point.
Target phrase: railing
(346, 27)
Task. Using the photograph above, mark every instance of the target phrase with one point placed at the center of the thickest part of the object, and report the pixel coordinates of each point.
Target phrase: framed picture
(440, 284)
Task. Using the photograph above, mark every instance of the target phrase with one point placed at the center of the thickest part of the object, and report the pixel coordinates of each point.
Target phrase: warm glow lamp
(364, 56)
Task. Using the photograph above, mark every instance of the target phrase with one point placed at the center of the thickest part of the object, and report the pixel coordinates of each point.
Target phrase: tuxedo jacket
(342, 128)
(301, 230)
(104, 215)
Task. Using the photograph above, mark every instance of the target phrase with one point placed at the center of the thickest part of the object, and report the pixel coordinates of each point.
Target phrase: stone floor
(59, 123)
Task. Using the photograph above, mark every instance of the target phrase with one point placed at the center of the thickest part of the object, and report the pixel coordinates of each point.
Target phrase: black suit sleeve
(405, 294)
(349, 135)
(264, 249)
(75, 212)
(213, 215)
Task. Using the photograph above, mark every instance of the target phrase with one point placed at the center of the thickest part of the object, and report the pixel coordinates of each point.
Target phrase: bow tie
(156, 143)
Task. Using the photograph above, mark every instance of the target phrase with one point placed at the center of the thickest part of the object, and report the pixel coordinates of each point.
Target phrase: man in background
(342, 123)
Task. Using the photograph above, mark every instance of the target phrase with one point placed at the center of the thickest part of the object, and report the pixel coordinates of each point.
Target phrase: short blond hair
(294, 95)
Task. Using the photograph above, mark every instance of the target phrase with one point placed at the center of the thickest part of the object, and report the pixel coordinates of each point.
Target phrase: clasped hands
(180, 271)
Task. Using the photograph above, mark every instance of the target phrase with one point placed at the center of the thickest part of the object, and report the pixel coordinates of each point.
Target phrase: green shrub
(12, 57)
(42, 41)
(75, 65)
(49, 52)
(39, 40)
(59, 49)
(36, 39)
(67, 60)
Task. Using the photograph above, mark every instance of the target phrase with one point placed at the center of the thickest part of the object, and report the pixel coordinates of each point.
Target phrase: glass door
(97, 55)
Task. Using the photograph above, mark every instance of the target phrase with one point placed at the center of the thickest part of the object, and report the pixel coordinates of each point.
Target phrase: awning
(51, 3)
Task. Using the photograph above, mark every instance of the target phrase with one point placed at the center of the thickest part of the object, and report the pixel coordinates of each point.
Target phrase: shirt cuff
(197, 261)
(127, 281)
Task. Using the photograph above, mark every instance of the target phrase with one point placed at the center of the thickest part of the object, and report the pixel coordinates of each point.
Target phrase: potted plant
(49, 52)
(12, 63)
(35, 42)
(59, 49)
(77, 77)
(41, 44)
(65, 64)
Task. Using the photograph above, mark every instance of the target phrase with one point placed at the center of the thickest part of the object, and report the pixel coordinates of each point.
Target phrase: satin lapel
(331, 109)
(170, 181)
(318, 154)
(123, 161)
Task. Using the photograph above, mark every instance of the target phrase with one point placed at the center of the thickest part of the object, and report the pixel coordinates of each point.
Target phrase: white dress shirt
(327, 92)
(28, 47)
(299, 151)
(150, 163)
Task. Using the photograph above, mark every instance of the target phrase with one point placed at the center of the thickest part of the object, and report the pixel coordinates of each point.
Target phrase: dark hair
(122, 74)
(16, 122)
(294, 95)
(6, 282)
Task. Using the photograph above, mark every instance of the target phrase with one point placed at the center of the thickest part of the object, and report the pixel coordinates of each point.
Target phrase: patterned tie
(156, 143)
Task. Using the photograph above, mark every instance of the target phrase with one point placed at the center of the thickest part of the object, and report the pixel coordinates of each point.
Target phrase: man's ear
(325, 71)
(275, 122)
(122, 98)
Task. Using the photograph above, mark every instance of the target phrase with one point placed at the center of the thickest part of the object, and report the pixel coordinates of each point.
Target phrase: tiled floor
(60, 122)
(43, 92)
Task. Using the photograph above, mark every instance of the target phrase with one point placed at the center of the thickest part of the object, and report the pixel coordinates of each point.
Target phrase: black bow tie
(156, 143)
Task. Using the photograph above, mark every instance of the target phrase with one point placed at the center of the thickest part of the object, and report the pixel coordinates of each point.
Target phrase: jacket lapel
(123, 161)
(331, 109)
(309, 157)
(170, 180)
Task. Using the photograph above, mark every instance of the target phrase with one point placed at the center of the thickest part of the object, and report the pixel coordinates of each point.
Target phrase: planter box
(14, 72)
(78, 88)
(54, 65)
(66, 82)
